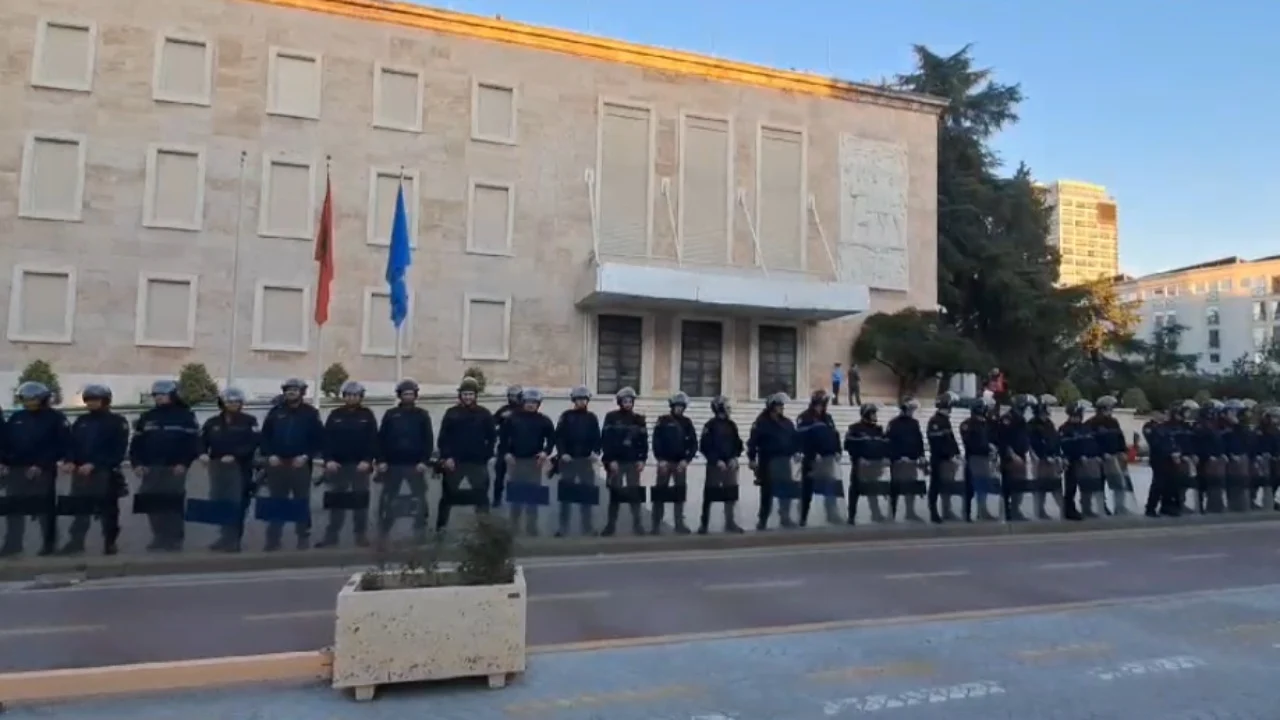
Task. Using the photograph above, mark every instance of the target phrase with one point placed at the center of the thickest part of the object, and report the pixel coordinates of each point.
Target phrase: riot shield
(873, 486)
(982, 477)
(721, 487)
(1115, 475)
(526, 494)
(403, 494)
(1188, 480)
(1015, 485)
(1047, 482)
(780, 473)
(827, 484)
(1213, 484)
(1089, 481)
(950, 487)
(162, 497)
(1238, 482)
(578, 487)
(905, 486)
(346, 491)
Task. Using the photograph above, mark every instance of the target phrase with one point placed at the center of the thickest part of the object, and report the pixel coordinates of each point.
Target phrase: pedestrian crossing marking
(868, 672)
(1059, 650)
(664, 692)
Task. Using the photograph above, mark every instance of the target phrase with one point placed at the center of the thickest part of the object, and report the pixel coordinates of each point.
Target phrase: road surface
(1212, 655)
(577, 600)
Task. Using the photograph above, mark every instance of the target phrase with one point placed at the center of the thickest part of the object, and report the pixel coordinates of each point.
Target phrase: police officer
(771, 446)
(525, 442)
(906, 456)
(350, 453)
(976, 435)
(1162, 496)
(1238, 443)
(721, 446)
(577, 446)
(166, 441)
(1046, 446)
(820, 455)
(37, 439)
(624, 442)
(675, 445)
(468, 434)
(228, 443)
(1211, 459)
(1114, 451)
(1013, 441)
(292, 436)
(944, 453)
(406, 440)
(500, 466)
(1267, 450)
(865, 443)
(1080, 450)
(98, 444)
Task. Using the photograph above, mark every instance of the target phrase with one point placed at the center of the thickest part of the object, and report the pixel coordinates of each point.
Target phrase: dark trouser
(865, 480)
(1164, 495)
(391, 502)
(43, 486)
(1239, 480)
(228, 482)
(717, 477)
(835, 392)
(1013, 476)
(529, 472)
(476, 477)
(670, 476)
(579, 471)
(106, 485)
(1048, 482)
(1210, 481)
(855, 394)
(977, 483)
(348, 478)
(289, 482)
(824, 468)
(772, 471)
(499, 480)
(168, 529)
(904, 475)
(942, 475)
(627, 475)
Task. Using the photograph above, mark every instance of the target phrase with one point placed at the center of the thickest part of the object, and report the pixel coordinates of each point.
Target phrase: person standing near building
(292, 435)
(837, 379)
(406, 440)
(624, 442)
(577, 445)
(468, 435)
(854, 380)
(228, 442)
(500, 465)
(350, 453)
(98, 444)
(36, 440)
(166, 440)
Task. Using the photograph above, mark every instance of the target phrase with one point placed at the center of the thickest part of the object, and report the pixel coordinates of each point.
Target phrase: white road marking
(50, 630)
(556, 597)
(1082, 565)
(924, 575)
(759, 585)
(912, 698)
(1176, 663)
(1197, 556)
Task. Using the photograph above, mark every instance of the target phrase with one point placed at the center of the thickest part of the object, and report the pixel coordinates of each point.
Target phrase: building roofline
(617, 51)
(1232, 261)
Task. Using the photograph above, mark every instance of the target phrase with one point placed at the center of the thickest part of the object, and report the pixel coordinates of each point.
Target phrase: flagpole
(400, 326)
(328, 162)
(235, 275)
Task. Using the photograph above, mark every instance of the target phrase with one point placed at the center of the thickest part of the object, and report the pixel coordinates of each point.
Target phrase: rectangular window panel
(184, 70)
(490, 221)
(282, 318)
(397, 98)
(705, 190)
(175, 188)
(294, 84)
(41, 306)
(486, 329)
(701, 356)
(384, 184)
(619, 353)
(287, 209)
(781, 201)
(493, 111)
(166, 312)
(53, 177)
(64, 55)
(625, 181)
(778, 348)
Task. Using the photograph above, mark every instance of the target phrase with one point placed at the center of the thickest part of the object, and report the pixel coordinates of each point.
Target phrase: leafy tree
(916, 346)
(335, 376)
(1135, 399)
(195, 385)
(1066, 392)
(42, 372)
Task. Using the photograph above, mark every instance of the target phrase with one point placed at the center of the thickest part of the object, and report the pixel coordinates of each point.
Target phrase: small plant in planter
(425, 619)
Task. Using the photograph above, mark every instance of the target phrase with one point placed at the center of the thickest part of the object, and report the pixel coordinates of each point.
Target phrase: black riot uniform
(527, 438)
(1267, 446)
(1047, 448)
(1162, 454)
(1079, 446)
(675, 445)
(721, 445)
(166, 441)
(624, 444)
(406, 440)
(292, 437)
(1239, 441)
(771, 444)
(1013, 441)
(468, 435)
(500, 466)
(98, 445)
(905, 447)
(820, 453)
(36, 439)
(350, 452)
(229, 442)
(1210, 454)
(944, 455)
(577, 445)
(977, 434)
(865, 443)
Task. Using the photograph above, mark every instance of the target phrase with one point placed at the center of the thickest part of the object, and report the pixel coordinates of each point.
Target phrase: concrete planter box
(411, 634)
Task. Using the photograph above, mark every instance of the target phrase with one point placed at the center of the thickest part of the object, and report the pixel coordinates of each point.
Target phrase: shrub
(488, 550)
(1136, 400)
(195, 385)
(1066, 392)
(333, 379)
(42, 372)
(475, 373)
(1202, 397)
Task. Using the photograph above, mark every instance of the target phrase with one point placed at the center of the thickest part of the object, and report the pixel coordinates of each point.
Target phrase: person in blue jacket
(98, 445)
(820, 456)
(36, 441)
(292, 437)
(166, 441)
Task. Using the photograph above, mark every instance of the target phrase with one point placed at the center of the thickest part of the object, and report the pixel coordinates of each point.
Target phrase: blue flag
(398, 261)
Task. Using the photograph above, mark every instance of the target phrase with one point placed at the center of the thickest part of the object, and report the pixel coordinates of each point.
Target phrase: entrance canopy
(787, 296)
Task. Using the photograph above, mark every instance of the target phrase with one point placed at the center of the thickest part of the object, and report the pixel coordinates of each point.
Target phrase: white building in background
(1230, 307)
(1084, 228)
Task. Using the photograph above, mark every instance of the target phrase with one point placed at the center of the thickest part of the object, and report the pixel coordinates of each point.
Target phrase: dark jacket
(1045, 442)
(720, 441)
(468, 434)
(526, 434)
(234, 434)
(976, 435)
(406, 436)
(291, 431)
(942, 439)
(906, 442)
(578, 433)
(1110, 435)
(624, 437)
(674, 439)
(99, 438)
(772, 436)
(865, 440)
(818, 435)
(1078, 441)
(164, 436)
(351, 435)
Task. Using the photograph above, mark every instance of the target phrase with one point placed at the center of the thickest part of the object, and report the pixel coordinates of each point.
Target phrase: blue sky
(1172, 105)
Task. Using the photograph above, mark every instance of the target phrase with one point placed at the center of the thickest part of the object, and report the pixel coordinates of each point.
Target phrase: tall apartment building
(1084, 229)
(1230, 307)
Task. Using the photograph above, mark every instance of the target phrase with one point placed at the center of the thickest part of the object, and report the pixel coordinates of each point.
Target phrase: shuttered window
(781, 198)
(625, 180)
(705, 192)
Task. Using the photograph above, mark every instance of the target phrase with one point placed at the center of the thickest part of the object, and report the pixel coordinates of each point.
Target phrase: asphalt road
(575, 600)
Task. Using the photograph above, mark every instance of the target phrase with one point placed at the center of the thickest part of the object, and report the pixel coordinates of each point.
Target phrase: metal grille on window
(701, 352)
(619, 348)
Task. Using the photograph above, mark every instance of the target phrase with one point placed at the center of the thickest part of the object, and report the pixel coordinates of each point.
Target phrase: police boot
(877, 514)
(1118, 501)
(74, 546)
(832, 511)
(637, 527)
(678, 512)
(730, 520)
(909, 507)
(784, 514)
(330, 539)
(659, 510)
(949, 509)
(984, 512)
(611, 521)
(1039, 505)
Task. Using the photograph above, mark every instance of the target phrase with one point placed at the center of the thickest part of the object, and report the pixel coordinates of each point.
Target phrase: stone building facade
(582, 209)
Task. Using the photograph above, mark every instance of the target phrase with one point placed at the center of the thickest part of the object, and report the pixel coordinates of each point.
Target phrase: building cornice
(617, 51)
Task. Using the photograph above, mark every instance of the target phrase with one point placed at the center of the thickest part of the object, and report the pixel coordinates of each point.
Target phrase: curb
(75, 570)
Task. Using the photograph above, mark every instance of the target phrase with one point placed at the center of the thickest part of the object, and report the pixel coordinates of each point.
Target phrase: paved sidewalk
(1208, 656)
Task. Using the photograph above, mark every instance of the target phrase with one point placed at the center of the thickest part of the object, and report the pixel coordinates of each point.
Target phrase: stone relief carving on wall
(872, 244)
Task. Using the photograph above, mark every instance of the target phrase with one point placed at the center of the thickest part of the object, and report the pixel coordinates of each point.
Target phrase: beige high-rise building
(582, 210)
(1084, 229)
